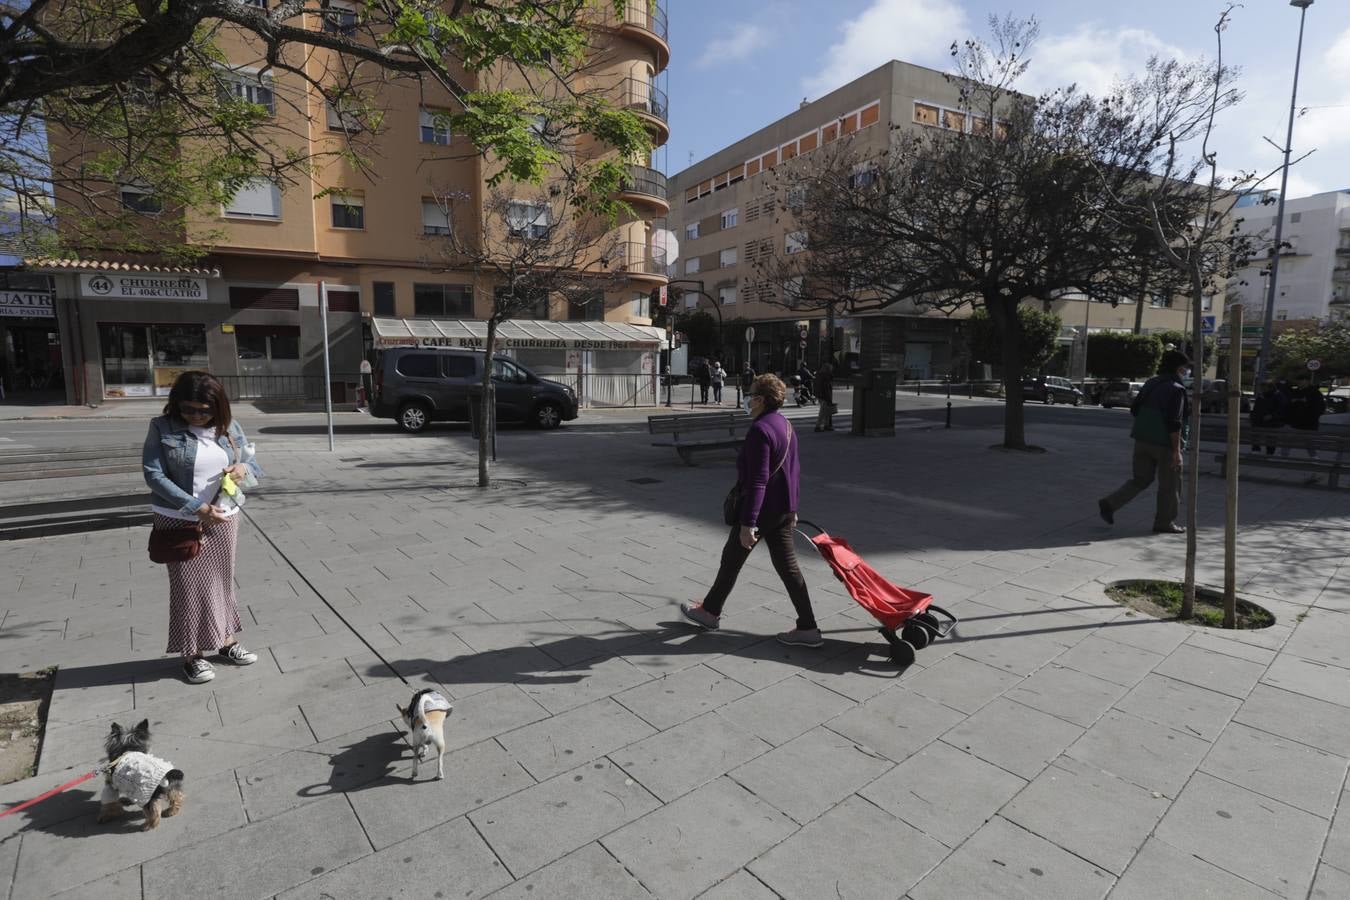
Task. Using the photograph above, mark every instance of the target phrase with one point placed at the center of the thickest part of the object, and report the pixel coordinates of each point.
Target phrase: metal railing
(641, 95)
(643, 180)
(641, 259)
(604, 390)
(648, 16)
(304, 388)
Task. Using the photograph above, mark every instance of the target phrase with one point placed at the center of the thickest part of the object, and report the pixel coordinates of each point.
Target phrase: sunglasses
(189, 410)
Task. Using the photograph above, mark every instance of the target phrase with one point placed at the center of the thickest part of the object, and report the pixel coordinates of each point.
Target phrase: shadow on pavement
(358, 766)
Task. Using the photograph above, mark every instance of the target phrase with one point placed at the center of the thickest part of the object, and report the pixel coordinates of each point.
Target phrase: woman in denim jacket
(186, 453)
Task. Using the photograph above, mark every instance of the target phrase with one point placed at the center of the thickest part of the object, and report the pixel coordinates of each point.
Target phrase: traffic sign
(1207, 324)
(1314, 365)
(803, 332)
(802, 344)
(750, 334)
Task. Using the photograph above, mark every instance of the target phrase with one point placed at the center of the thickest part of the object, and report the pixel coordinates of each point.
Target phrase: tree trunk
(1141, 298)
(1003, 313)
(486, 412)
(1192, 467)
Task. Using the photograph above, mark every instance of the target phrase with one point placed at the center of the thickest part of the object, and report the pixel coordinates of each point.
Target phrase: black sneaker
(1107, 513)
(198, 671)
(235, 654)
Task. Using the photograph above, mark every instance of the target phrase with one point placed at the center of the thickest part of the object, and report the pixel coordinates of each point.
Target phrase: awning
(516, 334)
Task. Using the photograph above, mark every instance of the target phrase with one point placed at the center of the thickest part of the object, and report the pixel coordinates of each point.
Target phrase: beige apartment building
(723, 213)
(364, 241)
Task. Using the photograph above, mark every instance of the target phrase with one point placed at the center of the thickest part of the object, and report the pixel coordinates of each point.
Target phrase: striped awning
(516, 334)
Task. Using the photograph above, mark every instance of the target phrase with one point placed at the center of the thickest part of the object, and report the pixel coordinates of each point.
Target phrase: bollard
(918, 388)
(949, 414)
(970, 389)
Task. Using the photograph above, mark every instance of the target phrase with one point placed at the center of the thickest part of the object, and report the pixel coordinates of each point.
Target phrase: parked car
(1214, 398)
(416, 386)
(1120, 393)
(1051, 389)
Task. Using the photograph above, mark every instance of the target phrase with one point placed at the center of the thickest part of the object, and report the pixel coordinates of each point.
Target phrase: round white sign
(1314, 365)
(750, 334)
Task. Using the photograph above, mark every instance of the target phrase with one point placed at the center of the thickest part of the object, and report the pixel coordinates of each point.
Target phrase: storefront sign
(142, 287)
(26, 303)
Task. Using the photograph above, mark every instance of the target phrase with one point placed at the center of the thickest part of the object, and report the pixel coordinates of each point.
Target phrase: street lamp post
(1262, 359)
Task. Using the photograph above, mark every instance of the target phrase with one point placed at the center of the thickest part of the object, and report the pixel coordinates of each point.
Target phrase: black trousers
(776, 531)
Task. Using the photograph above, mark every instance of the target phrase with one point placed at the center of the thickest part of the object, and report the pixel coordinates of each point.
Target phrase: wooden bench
(26, 465)
(1331, 450)
(695, 432)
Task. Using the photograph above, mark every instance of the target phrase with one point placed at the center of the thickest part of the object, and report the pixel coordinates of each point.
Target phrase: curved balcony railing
(643, 96)
(641, 259)
(642, 180)
(647, 16)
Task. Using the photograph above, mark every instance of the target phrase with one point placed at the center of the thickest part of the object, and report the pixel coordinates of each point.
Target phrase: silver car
(1120, 393)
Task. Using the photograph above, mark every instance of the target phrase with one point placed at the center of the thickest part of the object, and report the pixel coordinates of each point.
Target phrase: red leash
(52, 793)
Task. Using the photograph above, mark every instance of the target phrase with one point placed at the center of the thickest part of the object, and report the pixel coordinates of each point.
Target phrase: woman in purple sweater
(768, 475)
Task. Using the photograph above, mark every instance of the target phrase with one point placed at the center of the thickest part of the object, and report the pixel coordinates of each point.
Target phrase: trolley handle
(812, 525)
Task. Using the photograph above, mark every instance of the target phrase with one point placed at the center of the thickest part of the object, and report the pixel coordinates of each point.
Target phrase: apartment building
(1314, 277)
(723, 212)
(364, 241)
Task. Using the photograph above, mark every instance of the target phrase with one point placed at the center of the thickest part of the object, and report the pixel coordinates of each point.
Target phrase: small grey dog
(133, 777)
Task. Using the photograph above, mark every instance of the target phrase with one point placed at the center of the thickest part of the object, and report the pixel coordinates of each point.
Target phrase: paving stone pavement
(1057, 746)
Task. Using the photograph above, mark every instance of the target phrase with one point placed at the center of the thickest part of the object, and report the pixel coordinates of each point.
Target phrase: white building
(1314, 277)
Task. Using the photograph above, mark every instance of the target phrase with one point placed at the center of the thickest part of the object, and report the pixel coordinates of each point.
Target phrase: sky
(737, 65)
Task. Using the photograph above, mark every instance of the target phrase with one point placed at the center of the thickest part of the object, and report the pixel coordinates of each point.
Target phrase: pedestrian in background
(1306, 408)
(747, 379)
(1160, 411)
(719, 378)
(824, 388)
(768, 486)
(1268, 411)
(188, 451)
(704, 380)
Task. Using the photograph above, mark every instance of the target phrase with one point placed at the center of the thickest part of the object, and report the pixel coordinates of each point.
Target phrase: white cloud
(917, 31)
(734, 47)
(1093, 58)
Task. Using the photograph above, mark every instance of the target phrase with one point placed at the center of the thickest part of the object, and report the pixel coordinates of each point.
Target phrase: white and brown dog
(425, 717)
(134, 778)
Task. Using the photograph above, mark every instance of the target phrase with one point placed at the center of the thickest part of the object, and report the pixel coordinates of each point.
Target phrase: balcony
(646, 99)
(644, 21)
(647, 185)
(641, 261)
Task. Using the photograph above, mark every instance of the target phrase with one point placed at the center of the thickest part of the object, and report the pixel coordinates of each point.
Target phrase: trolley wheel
(929, 621)
(902, 653)
(916, 634)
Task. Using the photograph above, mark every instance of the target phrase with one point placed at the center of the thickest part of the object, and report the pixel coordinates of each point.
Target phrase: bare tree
(526, 248)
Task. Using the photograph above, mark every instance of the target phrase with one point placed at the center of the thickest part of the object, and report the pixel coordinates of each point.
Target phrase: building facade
(362, 240)
(723, 213)
(1314, 277)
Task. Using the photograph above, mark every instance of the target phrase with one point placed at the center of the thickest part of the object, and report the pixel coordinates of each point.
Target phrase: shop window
(727, 258)
(435, 218)
(139, 199)
(268, 349)
(433, 127)
(349, 210)
(145, 360)
(264, 298)
(528, 220)
(730, 217)
(339, 17)
(257, 199)
(382, 293)
(445, 301)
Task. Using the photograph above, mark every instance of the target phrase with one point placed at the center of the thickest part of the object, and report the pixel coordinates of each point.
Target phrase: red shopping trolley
(909, 619)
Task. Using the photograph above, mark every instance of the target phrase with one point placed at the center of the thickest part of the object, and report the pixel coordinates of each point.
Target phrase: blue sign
(1206, 324)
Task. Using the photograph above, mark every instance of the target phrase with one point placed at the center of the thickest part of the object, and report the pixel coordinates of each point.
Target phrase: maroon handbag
(177, 544)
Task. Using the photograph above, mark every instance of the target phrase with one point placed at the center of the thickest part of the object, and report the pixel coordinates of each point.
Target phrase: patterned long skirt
(203, 612)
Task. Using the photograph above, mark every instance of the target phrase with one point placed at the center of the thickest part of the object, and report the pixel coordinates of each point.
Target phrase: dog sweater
(134, 776)
(430, 701)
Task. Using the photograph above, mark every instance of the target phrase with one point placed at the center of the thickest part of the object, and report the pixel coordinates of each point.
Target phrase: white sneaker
(198, 671)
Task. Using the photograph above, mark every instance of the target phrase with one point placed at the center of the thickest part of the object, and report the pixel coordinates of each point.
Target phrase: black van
(417, 386)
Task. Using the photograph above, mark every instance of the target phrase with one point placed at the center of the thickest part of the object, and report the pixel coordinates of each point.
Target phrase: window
(264, 298)
(587, 309)
(531, 303)
(726, 295)
(642, 306)
(691, 231)
(1295, 218)
(691, 300)
(419, 365)
(1159, 301)
(691, 265)
(727, 258)
(435, 218)
(251, 88)
(458, 367)
(528, 220)
(340, 119)
(383, 294)
(434, 127)
(349, 210)
(139, 199)
(796, 198)
(864, 174)
(339, 17)
(261, 4)
(925, 114)
(979, 126)
(792, 290)
(796, 242)
(953, 120)
(508, 372)
(268, 349)
(257, 199)
(454, 301)
(730, 217)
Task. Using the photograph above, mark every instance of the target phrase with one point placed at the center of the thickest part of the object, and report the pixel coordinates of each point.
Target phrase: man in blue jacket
(1160, 412)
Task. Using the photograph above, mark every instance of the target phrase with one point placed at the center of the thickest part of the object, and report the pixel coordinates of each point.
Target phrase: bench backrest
(730, 422)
